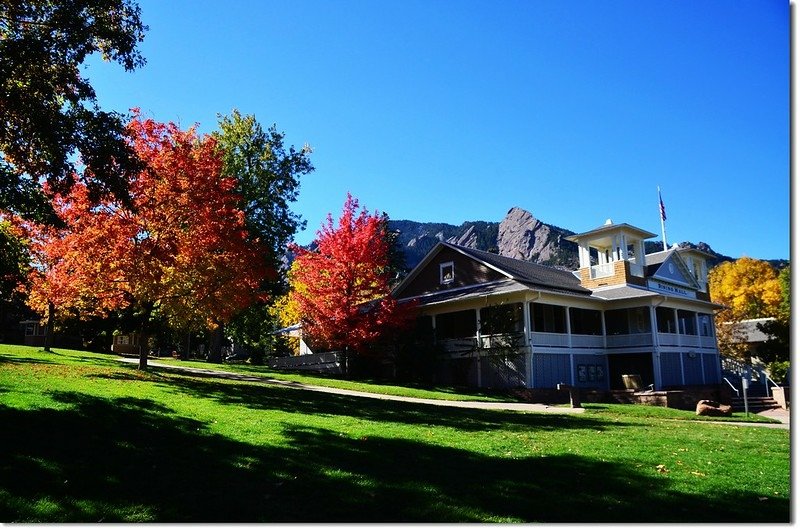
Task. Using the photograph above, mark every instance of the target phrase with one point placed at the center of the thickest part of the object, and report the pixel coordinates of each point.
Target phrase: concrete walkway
(779, 414)
(480, 405)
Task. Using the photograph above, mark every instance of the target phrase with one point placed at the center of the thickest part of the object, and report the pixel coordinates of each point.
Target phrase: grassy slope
(439, 393)
(87, 439)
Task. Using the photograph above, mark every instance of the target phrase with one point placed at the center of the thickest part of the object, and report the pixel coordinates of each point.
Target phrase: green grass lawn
(86, 439)
(439, 393)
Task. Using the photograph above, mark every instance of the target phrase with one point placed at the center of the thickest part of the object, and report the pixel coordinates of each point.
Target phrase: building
(622, 320)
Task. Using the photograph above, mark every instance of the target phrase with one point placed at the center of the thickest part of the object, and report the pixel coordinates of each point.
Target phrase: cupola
(612, 254)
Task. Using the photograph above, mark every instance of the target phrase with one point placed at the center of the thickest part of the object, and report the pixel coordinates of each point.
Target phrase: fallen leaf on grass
(661, 468)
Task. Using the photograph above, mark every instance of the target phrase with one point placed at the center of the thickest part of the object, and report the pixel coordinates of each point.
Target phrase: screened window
(686, 322)
(665, 319)
(706, 327)
(617, 321)
(548, 318)
(501, 319)
(451, 325)
(585, 321)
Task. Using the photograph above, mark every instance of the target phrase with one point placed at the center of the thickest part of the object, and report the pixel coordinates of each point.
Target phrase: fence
(332, 362)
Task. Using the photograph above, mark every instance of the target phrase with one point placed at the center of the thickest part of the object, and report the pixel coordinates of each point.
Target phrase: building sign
(672, 290)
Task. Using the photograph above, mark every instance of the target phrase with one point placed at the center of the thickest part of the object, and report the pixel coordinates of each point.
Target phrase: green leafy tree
(49, 110)
(267, 176)
(776, 348)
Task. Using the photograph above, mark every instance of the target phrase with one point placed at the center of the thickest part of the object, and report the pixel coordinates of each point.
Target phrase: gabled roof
(526, 271)
(531, 274)
(654, 262)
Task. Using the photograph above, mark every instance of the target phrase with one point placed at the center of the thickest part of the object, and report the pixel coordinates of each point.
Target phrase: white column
(603, 327)
(526, 326)
(656, 350)
(569, 346)
(479, 344)
(583, 255)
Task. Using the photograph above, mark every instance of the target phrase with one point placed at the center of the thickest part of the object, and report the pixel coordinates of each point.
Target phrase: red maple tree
(342, 288)
(181, 251)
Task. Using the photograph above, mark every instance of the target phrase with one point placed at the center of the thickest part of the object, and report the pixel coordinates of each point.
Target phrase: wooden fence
(332, 362)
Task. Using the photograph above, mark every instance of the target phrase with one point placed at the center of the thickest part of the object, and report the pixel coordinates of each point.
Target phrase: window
(548, 318)
(585, 321)
(29, 329)
(686, 322)
(501, 319)
(617, 321)
(665, 319)
(705, 325)
(447, 273)
(452, 325)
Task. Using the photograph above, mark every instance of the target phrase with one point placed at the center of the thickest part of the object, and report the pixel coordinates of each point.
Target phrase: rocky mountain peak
(523, 236)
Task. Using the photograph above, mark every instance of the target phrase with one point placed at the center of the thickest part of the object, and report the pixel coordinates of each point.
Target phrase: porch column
(656, 349)
(677, 326)
(526, 328)
(479, 344)
(569, 346)
(603, 327)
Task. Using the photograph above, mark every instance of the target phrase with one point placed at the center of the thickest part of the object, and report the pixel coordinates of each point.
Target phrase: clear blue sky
(458, 110)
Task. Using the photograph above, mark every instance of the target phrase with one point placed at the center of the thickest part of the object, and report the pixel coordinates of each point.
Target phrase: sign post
(745, 384)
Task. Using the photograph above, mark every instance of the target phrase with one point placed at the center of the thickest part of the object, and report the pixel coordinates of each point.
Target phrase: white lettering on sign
(666, 288)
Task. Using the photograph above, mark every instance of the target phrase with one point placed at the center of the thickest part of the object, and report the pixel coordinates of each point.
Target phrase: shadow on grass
(262, 396)
(128, 460)
(23, 360)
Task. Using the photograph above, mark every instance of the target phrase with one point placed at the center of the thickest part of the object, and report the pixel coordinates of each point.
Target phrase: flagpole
(662, 215)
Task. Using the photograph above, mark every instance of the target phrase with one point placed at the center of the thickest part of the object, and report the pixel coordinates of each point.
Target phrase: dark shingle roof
(528, 272)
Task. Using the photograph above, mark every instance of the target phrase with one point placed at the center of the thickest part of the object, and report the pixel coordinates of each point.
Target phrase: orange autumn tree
(180, 253)
(341, 289)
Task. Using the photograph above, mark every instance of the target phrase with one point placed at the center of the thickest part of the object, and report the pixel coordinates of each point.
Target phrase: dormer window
(447, 273)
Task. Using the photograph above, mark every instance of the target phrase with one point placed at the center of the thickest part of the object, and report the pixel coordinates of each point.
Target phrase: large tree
(48, 108)
(267, 176)
(181, 254)
(776, 348)
(749, 289)
(342, 288)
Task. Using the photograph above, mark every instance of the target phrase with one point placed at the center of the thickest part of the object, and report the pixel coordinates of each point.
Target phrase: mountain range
(519, 235)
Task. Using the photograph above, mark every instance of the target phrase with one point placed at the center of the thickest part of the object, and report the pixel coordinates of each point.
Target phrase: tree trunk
(49, 326)
(143, 350)
(215, 351)
(142, 357)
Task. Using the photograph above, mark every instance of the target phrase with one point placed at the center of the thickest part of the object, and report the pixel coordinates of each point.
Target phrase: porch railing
(629, 340)
(587, 340)
(552, 339)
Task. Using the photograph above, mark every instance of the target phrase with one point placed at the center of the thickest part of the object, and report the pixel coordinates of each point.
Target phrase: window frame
(443, 280)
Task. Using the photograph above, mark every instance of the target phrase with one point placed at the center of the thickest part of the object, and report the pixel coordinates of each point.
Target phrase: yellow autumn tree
(748, 288)
(287, 311)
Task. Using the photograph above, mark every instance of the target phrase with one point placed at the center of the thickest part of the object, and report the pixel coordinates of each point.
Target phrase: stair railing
(767, 380)
(731, 385)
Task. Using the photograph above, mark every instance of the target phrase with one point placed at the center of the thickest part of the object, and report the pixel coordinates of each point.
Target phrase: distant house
(747, 332)
(34, 332)
(623, 318)
(128, 343)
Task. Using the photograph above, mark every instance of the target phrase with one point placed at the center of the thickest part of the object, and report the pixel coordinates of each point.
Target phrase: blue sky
(449, 111)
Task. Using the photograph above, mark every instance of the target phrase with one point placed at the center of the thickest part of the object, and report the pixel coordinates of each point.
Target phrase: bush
(778, 371)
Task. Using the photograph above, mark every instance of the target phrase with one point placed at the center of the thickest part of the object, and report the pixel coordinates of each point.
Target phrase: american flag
(661, 206)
